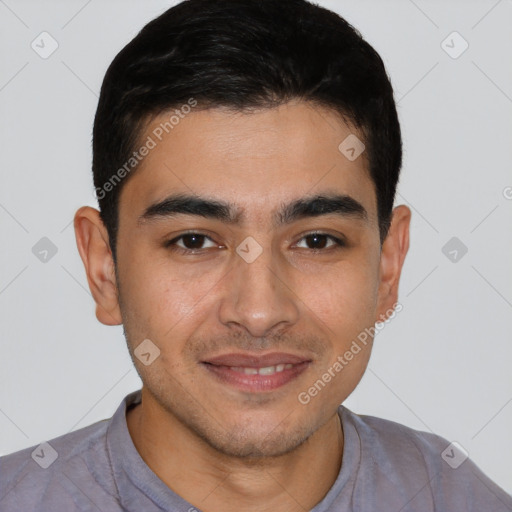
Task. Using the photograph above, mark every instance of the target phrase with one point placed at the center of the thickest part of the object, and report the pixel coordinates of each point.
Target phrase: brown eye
(320, 241)
(189, 242)
(193, 241)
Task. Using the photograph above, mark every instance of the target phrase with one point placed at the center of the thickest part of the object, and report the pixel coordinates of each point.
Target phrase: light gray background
(442, 365)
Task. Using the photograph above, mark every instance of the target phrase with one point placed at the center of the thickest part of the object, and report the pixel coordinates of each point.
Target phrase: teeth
(267, 370)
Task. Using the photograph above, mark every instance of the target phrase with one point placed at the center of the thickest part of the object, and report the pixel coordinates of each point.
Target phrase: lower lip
(256, 383)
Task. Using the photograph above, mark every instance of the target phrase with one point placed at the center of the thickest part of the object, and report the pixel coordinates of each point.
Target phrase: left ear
(394, 250)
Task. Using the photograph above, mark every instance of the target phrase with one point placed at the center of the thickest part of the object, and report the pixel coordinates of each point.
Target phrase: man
(245, 159)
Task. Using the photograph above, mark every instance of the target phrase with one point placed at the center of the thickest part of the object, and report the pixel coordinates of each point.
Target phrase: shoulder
(45, 469)
(55, 452)
(396, 441)
(423, 466)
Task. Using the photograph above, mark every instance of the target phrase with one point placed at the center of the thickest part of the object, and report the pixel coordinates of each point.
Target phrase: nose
(258, 296)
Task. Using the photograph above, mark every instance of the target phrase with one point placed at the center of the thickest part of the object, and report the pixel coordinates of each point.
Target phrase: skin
(232, 450)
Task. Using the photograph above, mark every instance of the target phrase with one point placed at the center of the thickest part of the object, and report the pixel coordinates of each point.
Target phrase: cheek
(160, 297)
(346, 298)
(345, 303)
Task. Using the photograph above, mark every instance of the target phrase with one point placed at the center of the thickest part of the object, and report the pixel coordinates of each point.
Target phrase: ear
(394, 250)
(94, 248)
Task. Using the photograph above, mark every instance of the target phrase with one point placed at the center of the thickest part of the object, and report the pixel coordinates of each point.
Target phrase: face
(253, 301)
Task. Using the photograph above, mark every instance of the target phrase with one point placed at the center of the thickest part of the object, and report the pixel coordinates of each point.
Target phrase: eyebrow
(305, 207)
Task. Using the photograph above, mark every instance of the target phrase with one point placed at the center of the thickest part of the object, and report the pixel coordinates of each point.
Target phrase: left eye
(319, 240)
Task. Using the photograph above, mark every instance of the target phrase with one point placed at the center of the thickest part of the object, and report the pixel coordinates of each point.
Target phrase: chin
(253, 444)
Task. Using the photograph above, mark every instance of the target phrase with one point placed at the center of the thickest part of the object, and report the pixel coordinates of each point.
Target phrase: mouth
(256, 374)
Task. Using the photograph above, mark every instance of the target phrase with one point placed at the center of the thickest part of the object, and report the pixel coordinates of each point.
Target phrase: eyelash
(170, 244)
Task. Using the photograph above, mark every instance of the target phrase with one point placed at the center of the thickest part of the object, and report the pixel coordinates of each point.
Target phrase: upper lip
(256, 361)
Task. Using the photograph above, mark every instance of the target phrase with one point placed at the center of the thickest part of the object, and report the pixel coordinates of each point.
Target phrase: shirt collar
(138, 485)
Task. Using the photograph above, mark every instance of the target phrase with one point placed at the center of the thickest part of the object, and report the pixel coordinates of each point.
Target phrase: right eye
(191, 242)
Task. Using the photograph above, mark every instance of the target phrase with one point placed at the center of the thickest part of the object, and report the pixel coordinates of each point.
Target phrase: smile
(256, 378)
(267, 370)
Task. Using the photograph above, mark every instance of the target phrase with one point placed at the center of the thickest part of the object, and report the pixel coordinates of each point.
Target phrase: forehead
(248, 158)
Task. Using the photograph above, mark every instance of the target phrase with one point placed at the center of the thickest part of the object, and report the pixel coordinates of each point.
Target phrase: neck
(214, 482)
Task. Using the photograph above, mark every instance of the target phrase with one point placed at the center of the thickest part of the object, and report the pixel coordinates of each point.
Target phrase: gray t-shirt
(386, 467)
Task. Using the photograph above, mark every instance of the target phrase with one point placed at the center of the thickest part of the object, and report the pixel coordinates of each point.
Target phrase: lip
(225, 369)
(256, 360)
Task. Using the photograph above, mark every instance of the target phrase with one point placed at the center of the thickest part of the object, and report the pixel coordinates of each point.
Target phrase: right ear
(94, 248)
